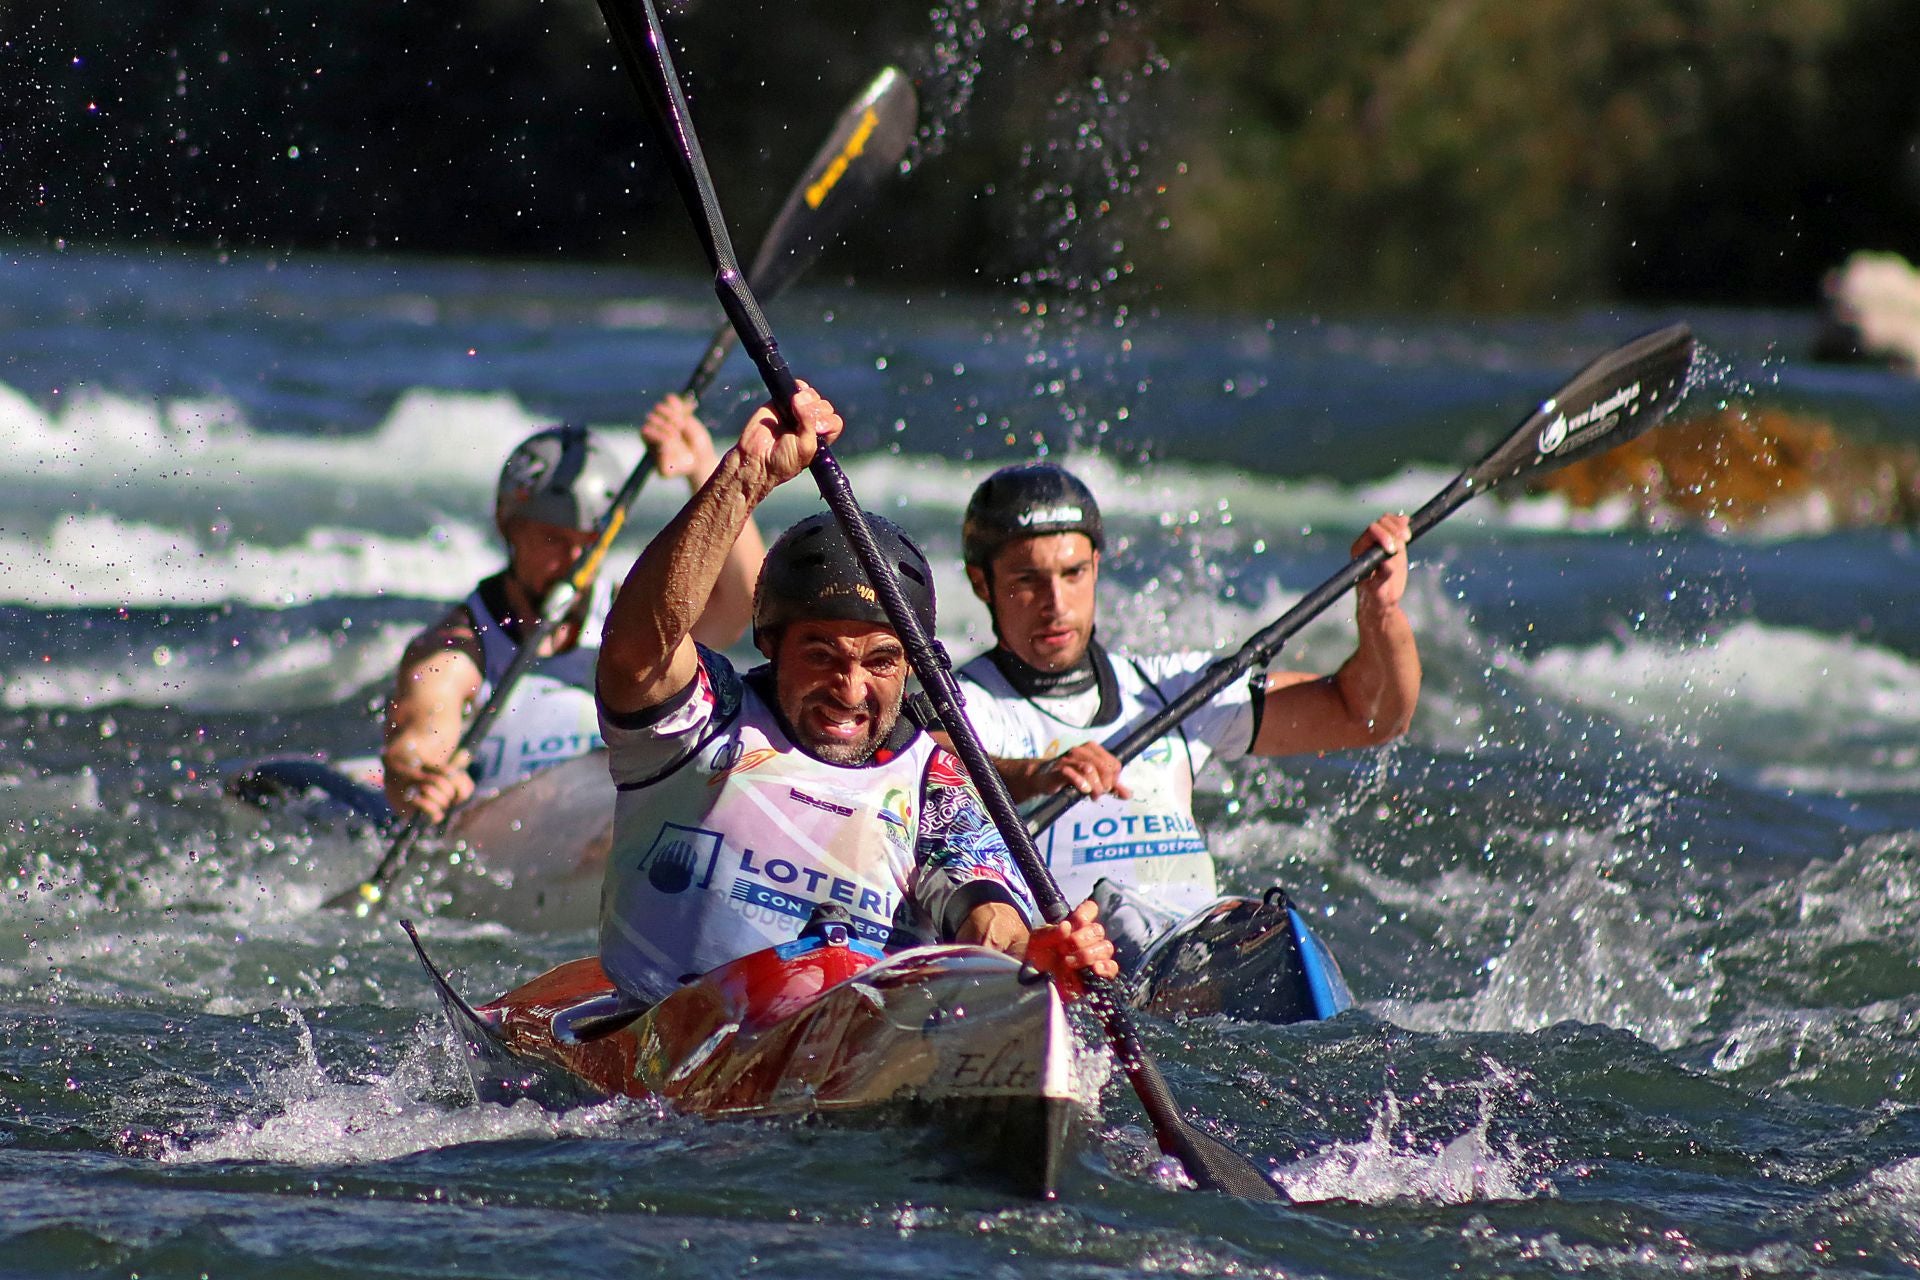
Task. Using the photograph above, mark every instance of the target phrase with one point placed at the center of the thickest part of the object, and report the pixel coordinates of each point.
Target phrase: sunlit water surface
(1632, 913)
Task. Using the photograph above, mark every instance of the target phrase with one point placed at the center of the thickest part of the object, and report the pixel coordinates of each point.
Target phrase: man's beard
(848, 752)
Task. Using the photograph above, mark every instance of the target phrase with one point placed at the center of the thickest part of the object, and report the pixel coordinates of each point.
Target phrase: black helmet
(811, 573)
(1027, 501)
(563, 476)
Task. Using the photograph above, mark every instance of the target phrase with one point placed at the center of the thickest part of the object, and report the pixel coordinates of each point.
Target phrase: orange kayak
(955, 1044)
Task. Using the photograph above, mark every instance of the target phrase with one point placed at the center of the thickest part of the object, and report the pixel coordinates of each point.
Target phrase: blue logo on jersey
(1111, 838)
(679, 855)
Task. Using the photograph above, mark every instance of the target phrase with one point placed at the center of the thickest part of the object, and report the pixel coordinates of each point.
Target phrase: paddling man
(746, 803)
(1049, 694)
(554, 490)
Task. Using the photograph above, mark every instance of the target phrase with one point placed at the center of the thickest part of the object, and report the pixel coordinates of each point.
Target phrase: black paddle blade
(862, 152)
(1617, 397)
(1211, 1163)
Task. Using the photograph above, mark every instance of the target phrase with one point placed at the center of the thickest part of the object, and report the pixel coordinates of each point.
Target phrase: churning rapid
(1632, 913)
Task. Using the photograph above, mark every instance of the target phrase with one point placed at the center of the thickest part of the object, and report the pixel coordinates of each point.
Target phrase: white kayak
(531, 855)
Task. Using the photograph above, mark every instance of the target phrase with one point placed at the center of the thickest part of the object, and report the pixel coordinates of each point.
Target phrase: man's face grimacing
(1041, 594)
(839, 685)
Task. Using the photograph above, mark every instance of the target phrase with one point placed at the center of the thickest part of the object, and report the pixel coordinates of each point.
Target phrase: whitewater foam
(308, 671)
(1391, 1165)
(305, 1117)
(1821, 711)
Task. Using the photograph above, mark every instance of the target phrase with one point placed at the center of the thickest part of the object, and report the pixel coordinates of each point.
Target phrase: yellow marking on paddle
(589, 568)
(838, 169)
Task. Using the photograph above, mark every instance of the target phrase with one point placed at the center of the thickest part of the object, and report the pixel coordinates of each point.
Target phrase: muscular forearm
(995, 925)
(1025, 779)
(419, 746)
(422, 771)
(1062, 951)
(1380, 683)
(437, 680)
(646, 653)
(730, 608)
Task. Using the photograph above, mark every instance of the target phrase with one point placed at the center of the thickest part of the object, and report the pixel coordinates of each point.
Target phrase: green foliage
(1500, 153)
(1480, 153)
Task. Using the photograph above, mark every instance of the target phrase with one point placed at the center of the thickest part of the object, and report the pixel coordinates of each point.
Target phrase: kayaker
(553, 491)
(747, 801)
(1048, 694)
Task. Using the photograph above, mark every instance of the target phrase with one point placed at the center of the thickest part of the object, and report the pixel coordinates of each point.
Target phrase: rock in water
(1750, 468)
(1872, 312)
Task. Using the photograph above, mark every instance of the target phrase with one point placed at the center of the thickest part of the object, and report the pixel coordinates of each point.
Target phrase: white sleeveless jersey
(729, 850)
(1149, 842)
(550, 716)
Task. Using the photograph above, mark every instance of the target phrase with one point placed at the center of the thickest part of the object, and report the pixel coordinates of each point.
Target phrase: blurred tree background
(1485, 154)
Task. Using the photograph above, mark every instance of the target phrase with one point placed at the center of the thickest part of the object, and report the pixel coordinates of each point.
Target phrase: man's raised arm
(647, 651)
(1371, 699)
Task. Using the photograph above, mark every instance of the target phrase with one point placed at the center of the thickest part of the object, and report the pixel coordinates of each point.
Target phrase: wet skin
(839, 685)
(1041, 592)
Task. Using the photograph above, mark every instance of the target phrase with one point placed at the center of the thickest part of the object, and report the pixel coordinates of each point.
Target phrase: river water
(1632, 913)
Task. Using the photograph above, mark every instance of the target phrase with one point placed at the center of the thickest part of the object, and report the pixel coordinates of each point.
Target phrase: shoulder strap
(1153, 686)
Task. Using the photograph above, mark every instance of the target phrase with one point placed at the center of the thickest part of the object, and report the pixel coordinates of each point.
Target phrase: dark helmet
(563, 475)
(1027, 501)
(811, 574)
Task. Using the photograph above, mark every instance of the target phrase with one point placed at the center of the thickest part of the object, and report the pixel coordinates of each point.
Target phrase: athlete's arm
(682, 447)
(1370, 700)
(1089, 768)
(439, 678)
(647, 651)
(1059, 950)
(966, 879)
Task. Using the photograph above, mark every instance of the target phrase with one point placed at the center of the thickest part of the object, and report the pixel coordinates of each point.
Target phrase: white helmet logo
(1049, 515)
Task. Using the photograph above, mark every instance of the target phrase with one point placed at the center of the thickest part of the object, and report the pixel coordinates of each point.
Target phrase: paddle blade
(862, 152)
(1209, 1162)
(1617, 397)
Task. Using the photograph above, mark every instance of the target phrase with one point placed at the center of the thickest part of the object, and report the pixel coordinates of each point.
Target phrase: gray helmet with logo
(1027, 501)
(563, 476)
(812, 573)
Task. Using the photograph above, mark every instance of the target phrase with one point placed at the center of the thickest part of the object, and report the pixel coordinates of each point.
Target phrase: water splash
(1076, 78)
(1393, 1165)
(304, 1116)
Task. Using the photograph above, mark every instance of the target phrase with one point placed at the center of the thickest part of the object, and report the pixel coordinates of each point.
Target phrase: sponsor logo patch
(1064, 514)
(814, 802)
(1595, 420)
(741, 763)
(678, 856)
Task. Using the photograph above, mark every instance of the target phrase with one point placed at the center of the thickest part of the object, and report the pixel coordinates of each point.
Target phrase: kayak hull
(952, 1044)
(533, 855)
(1251, 959)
